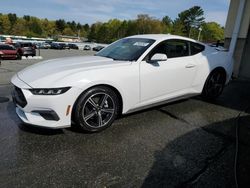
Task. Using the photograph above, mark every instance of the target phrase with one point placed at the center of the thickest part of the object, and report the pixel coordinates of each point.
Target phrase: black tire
(19, 57)
(214, 84)
(96, 109)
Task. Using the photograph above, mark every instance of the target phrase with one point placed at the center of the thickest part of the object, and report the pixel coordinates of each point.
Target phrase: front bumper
(9, 56)
(43, 110)
(29, 53)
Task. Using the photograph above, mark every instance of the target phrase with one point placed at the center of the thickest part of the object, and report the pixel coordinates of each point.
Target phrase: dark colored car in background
(9, 52)
(98, 48)
(25, 49)
(65, 46)
(59, 46)
(73, 46)
(217, 44)
(56, 46)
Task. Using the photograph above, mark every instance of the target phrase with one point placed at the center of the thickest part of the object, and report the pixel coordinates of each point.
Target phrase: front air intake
(18, 97)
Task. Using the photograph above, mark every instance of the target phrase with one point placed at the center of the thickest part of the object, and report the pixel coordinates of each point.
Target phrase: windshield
(127, 49)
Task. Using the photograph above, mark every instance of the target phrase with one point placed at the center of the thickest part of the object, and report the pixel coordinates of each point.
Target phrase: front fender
(124, 79)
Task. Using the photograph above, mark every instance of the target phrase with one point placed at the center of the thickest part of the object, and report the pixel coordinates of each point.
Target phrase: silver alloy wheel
(98, 110)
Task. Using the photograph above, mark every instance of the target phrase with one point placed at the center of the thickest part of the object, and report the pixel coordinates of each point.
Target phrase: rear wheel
(96, 109)
(214, 85)
(19, 56)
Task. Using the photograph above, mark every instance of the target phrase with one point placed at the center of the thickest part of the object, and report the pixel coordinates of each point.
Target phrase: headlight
(49, 91)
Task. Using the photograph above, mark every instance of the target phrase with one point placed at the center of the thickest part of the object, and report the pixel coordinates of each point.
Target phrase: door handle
(190, 65)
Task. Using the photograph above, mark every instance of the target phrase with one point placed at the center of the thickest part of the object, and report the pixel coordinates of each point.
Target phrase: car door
(167, 79)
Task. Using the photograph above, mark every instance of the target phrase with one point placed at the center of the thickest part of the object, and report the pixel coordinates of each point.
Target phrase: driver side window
(172, 48)
(160, 48)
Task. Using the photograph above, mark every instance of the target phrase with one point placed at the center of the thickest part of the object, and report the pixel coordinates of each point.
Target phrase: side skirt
(161, 103)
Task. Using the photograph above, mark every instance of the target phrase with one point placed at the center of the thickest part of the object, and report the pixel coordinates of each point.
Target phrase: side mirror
(159, 57)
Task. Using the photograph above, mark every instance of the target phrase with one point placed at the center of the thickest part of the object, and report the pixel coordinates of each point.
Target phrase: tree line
(187, 23)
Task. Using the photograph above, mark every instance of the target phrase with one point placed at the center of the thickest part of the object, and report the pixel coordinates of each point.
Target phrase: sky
(91, 11)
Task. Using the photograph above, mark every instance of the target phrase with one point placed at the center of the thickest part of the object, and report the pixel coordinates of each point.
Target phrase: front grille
(18, 97)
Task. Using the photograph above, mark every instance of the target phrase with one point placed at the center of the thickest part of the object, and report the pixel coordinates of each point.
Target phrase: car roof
(160, 37)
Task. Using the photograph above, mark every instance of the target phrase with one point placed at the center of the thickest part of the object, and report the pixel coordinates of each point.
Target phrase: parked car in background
(217, 44)
(65, 46)
(25, 49)
(87, 47)
(56, 46)
(1, 53)
(59, 46)
(37, 45)
(131, 74)
(8, 52)
(43, 45)
(98, 48)
(73, 46)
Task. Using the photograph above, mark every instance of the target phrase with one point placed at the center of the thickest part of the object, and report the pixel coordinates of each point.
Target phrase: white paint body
(139, 83)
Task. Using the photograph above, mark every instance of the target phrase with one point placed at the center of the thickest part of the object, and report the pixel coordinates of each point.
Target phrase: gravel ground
(190, 143)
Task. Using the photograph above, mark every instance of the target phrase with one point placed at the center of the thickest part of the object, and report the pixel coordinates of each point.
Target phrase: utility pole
(200, 29)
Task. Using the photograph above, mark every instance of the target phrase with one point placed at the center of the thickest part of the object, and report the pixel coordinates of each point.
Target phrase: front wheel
(214, 85)
(96, 109)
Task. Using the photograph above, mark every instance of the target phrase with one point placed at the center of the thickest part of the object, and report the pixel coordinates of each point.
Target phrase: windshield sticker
(143, 44)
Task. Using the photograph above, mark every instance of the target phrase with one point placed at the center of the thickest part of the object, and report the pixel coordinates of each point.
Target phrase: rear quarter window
(196, 48)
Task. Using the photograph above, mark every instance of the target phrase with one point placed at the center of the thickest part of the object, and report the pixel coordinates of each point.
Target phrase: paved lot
(9, 67)
(186, 144)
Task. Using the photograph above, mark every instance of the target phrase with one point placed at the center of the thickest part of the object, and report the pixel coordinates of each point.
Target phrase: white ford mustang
(130, 74)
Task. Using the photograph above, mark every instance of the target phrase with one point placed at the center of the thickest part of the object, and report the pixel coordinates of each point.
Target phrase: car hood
(48, 73)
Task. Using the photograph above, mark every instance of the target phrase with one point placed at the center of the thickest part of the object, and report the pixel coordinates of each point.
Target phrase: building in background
(3, 38)
(242, 49)
(66, 38)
